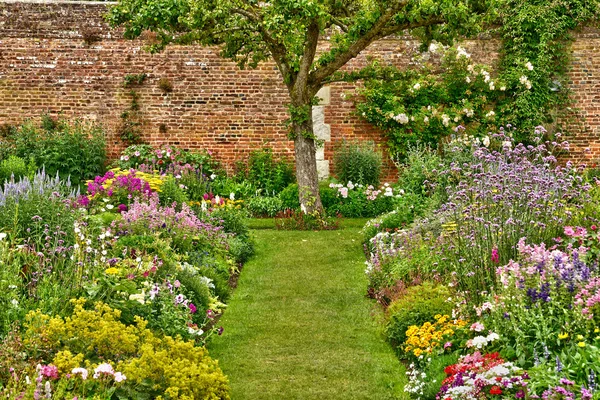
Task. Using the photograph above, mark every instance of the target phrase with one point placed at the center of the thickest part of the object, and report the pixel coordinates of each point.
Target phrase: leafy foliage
(359, 163)
(76, 150)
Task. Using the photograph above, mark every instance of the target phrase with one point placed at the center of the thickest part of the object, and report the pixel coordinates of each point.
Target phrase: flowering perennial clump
(426, 338)
(478, 376)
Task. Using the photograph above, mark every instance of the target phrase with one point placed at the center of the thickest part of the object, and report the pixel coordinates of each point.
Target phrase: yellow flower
(563, 335)
(597, 330)
(581, 344)
(112, 271)
(579, 337)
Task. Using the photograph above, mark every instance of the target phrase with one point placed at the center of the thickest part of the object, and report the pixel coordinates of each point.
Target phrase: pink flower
(105, 369)
(569, 231)
(477, 327)
(193, 308)
(49, 371)
(119, 377)
(447, 345)
(82, 371)
(495, 256)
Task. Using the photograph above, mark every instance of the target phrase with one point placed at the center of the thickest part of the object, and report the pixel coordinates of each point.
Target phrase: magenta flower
(495, 255)
(193, 308)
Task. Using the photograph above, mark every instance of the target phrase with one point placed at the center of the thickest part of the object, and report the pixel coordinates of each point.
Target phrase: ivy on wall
(528, 86)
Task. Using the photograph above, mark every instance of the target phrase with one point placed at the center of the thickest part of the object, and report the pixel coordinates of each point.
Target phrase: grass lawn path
(299, 326)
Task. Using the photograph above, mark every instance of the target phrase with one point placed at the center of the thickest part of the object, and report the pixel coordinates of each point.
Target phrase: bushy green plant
(289, 196)
(408, 207)
(264, 206)
(265, 172)
(224, 186)
(171, 192)
(353, 201)
(95, 340)
(358, 162)
(418, 173)
(76, 150)
(419, 304)
(17, 167)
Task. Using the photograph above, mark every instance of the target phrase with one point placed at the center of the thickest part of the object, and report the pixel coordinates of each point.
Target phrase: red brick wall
(46, 66)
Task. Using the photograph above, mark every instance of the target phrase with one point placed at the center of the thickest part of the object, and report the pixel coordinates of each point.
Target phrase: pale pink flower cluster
(589, 297)
(155, 217)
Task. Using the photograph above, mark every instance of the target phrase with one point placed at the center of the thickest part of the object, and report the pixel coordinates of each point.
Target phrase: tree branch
(277, 49)
(310, 51)
(378, 31)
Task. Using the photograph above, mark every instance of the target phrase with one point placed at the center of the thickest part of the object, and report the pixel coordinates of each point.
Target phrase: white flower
(468, 79)
(193, 331)
(103, 368)
(471, 68)
(486, 141)
(110, 206)
(207, 281)
(433, 47)
(479, 341)
(212, 177)
(3, 235)
(502, 88)
(119, 377)
(232, 196)
(490, 114)
(529, 66)
(426, 119)
(468, 112)
(350, 185)
(139, 297)
(417, 86)
(492, 86)
(401, 118)
(15, 302)
(523, 79)
(461, 52)
(445, 120)
(82, 371)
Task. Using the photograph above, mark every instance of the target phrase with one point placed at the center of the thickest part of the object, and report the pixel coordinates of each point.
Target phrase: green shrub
(359, 163)
(76, 150)
(289, 196)
(408, 207)
(171, 192)
(16, 166)
(264, 206)
(416, 306)
(224, 186)
(266, 173)
(232, 220)
(418, 173)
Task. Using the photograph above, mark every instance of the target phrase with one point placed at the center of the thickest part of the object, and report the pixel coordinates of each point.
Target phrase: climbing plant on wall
(527, 86)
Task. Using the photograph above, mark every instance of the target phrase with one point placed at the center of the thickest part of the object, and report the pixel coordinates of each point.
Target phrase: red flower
(593, 227)
(495, 390)
(498, 379)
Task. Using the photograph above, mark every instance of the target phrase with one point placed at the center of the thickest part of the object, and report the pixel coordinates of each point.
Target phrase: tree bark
(306, 167)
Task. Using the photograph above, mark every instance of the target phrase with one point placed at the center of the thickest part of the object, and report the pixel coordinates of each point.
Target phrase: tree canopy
(289, 32)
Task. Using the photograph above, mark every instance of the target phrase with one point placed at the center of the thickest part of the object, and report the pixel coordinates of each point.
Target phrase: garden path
(299, 326)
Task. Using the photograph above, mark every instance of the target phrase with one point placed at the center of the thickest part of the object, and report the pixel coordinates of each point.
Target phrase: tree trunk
(306, 167)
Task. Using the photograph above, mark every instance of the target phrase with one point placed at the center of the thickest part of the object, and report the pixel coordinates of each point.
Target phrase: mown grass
(299, 325)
